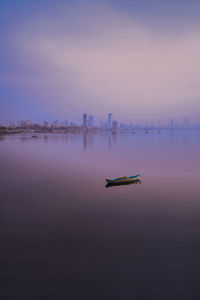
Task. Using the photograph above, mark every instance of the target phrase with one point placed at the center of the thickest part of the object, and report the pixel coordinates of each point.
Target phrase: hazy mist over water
(65, 235)
(137, 59)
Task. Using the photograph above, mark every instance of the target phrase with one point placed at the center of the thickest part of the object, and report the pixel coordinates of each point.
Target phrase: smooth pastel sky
(138, 59)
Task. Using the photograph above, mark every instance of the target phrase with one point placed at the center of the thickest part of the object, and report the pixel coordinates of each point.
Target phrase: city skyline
(110, 123)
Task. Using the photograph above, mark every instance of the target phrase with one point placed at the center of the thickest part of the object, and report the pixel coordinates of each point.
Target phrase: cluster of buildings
(88, 125)
(88, 122)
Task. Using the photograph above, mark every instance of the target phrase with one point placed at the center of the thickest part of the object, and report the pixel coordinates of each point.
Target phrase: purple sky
(137, 59)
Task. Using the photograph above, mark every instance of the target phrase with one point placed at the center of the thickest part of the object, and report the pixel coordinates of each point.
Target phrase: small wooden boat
(124, 179)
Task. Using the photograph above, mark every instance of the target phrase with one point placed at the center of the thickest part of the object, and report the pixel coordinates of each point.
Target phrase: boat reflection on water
(123, 183)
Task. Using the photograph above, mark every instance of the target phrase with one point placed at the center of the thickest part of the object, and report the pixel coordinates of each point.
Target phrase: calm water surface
(64, 235)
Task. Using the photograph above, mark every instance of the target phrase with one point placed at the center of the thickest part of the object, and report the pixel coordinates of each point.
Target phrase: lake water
(64, 235)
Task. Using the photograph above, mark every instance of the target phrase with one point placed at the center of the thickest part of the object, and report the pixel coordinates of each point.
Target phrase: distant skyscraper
(22, 123)
(55, 124)
(109, 120)
(27, 123)
(12, 125)
(115, 125)
(46, 124)
(85, 121)
(65, 123)
(91, 121)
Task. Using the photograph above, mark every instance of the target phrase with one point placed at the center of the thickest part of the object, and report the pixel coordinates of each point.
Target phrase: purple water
(64, 235)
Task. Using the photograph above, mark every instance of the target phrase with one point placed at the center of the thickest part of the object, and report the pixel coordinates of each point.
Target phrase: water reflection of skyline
(111, 140)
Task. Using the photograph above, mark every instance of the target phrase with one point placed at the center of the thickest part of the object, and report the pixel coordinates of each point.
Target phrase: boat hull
(122, 183)
(123, 179)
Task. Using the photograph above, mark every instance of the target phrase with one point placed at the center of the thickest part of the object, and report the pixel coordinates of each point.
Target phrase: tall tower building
(85, 121)
(91, 121)
(109, 120)
(115, 125)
